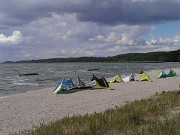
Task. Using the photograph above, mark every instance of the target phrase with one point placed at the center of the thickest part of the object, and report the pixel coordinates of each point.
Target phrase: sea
(49, 75)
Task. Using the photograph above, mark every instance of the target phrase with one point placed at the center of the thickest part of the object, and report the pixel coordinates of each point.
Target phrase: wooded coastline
(151, 57)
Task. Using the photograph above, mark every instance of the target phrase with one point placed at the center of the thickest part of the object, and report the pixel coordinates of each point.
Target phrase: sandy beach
(28, 110)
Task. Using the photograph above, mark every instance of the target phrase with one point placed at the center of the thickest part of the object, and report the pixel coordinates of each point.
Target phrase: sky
(40, 29)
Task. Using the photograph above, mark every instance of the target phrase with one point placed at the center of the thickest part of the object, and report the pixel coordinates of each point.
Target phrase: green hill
(172, 56)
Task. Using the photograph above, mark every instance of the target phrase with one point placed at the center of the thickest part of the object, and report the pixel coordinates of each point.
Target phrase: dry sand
(28, 110)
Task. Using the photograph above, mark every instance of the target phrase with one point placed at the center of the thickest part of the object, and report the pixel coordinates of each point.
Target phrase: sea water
(51, 74)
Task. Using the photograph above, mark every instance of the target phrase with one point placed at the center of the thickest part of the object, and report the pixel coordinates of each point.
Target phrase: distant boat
(28, 74)
(93, 69)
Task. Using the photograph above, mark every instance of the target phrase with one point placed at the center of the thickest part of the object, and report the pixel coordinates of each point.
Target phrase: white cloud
(15, 38)
(124, 39)
(61, 30)
(124, 35)
(177, 40)
(166, 41)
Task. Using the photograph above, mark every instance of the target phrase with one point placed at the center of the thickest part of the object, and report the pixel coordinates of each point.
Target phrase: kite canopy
(171, 74)
(161, 75)
(64, 85)
(100, 83)
(117, 78)
(145, 77)
(129, 78)
(79, 83)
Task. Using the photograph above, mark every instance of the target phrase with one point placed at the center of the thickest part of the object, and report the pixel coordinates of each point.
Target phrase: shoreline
(123, 75)
(28, 110)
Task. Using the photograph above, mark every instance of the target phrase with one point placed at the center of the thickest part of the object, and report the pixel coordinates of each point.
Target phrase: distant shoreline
(89, 62)
(150, 57)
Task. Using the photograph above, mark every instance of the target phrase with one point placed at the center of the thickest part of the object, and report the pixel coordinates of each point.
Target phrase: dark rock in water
(8, 62)
(93, 69)
(29, 74)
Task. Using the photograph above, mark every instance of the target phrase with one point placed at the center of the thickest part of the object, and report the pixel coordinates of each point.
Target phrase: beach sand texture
(28, 110)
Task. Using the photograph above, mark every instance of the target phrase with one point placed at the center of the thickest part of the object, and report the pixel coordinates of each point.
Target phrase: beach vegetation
(158, 115)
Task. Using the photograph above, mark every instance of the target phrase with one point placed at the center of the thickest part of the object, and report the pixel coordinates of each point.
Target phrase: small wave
(25, 83)
(82, 70)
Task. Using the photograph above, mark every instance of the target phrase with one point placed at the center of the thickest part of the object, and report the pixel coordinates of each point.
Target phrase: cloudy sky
(38, 29)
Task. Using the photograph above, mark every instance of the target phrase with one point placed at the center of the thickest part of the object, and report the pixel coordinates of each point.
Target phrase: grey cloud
(127, 12)
(98, 11)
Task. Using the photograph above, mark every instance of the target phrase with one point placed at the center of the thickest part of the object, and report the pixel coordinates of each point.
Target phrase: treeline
(172, 56)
